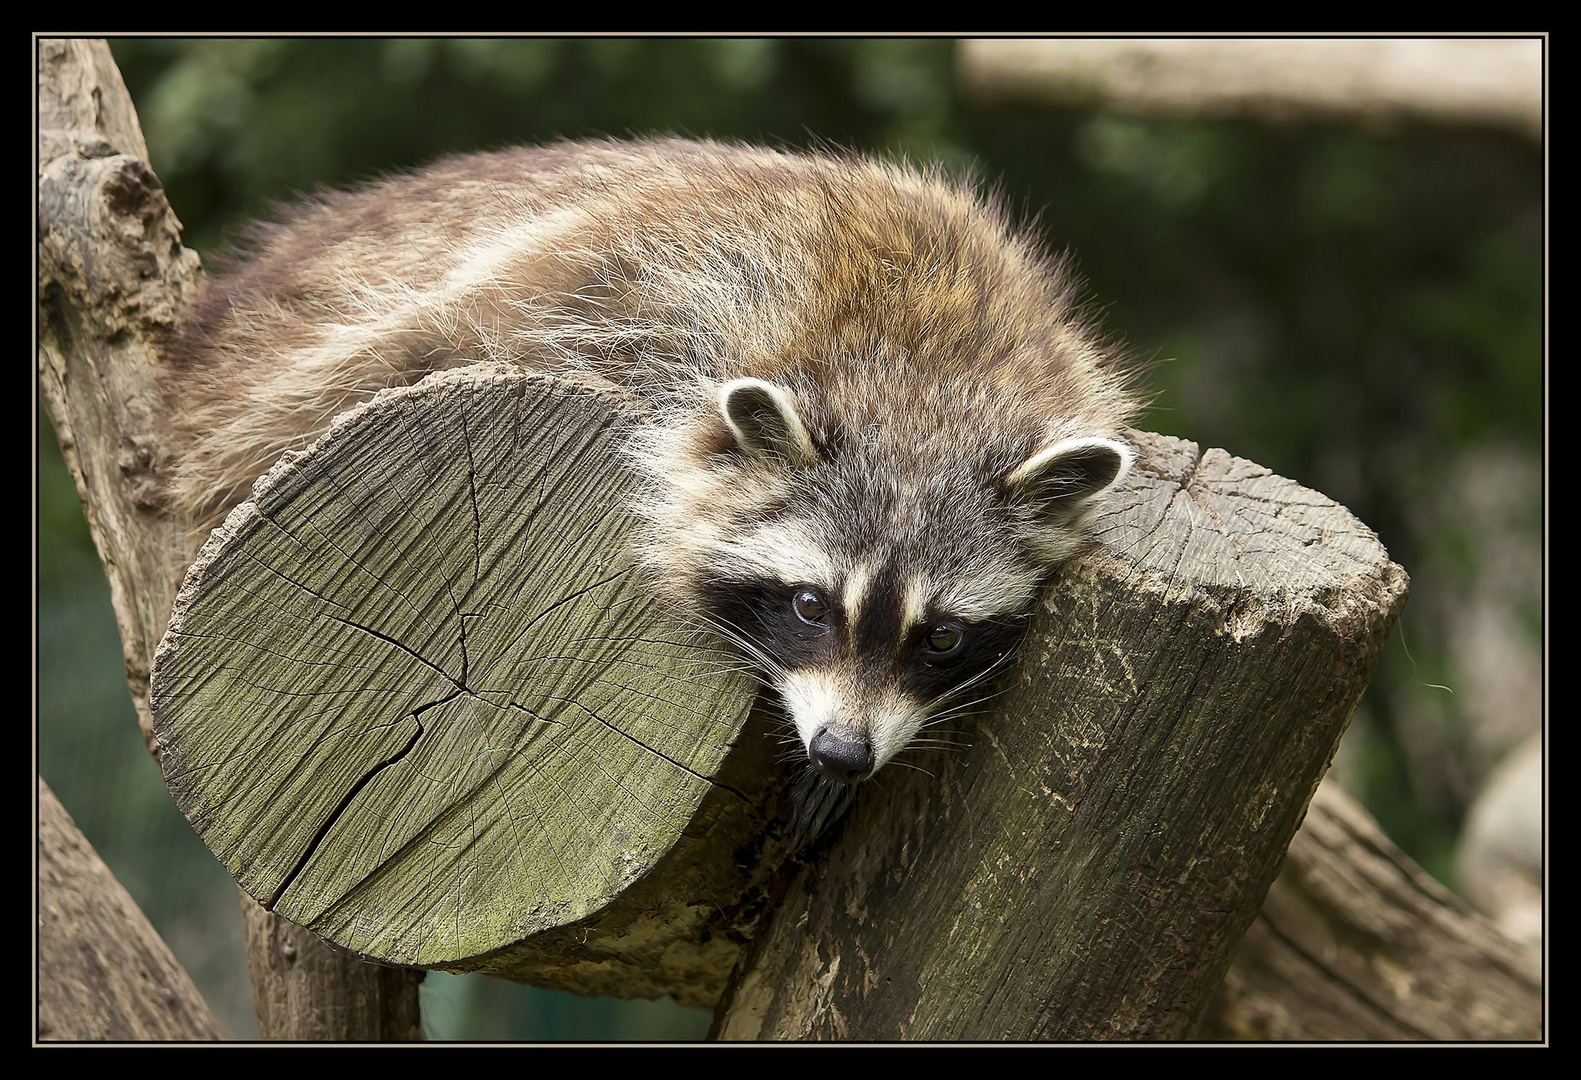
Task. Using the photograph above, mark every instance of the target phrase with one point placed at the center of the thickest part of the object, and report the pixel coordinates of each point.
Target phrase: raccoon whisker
(741, 640)
(912, 766)
(963, 708)
(955, 701)
(973, 680)
(948, 739)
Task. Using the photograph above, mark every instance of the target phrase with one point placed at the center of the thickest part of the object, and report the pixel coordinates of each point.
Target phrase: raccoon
(878, 414)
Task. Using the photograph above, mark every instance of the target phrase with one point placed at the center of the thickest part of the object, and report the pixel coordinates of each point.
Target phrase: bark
(104, 973)
(114, 280)
(305, 990)
(1356, 942)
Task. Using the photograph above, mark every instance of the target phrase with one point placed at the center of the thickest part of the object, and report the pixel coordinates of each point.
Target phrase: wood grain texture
(1356, 942)
(414, 695)
(305, 989)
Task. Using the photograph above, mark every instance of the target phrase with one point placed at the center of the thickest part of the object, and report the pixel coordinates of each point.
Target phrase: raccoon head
(875, 587)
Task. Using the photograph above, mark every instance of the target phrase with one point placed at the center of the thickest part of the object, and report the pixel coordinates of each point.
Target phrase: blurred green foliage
(1360, 311)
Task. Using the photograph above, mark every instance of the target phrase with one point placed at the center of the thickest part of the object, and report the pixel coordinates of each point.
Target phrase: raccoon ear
(1063, 477)
(763, 421)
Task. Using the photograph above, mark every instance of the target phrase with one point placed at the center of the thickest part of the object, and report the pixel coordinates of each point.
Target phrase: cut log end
(415, 695)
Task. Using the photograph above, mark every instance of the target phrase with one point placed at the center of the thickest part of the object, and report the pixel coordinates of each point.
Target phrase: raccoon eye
(944, 638)
(810, 608)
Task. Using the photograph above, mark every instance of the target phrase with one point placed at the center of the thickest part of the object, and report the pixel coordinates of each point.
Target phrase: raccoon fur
(878, 415)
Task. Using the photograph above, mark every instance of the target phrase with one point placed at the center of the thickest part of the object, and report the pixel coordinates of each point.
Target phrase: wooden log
(1088, 868)
(409, 784)
(415, 696)
(1357, 942)
(104, 973)
(113, 281)
(1378, 82)
(306, 990)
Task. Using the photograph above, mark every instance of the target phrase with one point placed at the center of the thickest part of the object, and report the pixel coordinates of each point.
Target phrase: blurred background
(1352, 300)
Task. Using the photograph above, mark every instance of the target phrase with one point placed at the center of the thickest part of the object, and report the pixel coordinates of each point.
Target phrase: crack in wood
(331, 819)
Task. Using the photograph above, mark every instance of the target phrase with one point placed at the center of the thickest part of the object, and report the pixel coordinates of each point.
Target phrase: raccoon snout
(845, 761)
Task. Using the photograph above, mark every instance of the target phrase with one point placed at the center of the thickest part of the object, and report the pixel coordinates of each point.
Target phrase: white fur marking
(783, 553)
(894, 721)
(856, 583)
(837, 700)
(914, 604)
(814, 701)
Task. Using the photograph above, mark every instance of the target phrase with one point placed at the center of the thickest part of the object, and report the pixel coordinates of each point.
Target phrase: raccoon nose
(844, 761)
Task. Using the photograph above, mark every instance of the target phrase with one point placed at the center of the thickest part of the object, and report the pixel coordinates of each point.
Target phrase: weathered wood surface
(353, 714)
(113, 281)
(306, 990)
(104, 973)
(1489, 81)
(1088, 867)
(414, 693)
(1355, 942)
